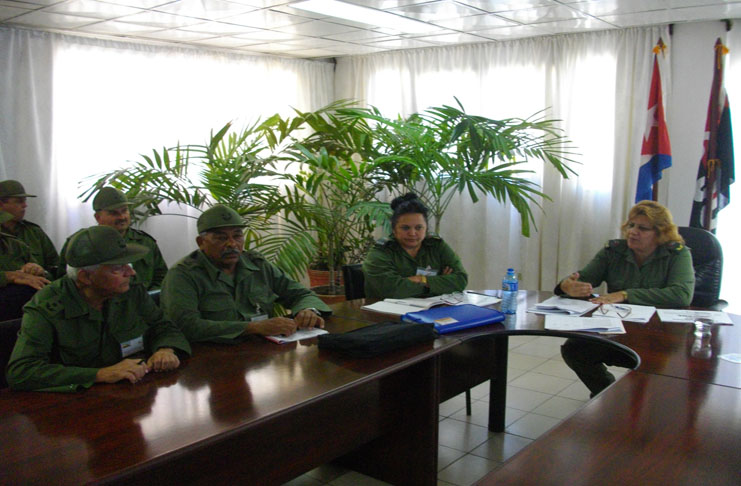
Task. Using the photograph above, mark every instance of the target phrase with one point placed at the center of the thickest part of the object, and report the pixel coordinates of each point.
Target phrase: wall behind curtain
(596, 82)
(74, 107)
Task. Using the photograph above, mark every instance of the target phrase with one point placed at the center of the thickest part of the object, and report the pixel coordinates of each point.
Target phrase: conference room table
(252, 413)
(262, 413)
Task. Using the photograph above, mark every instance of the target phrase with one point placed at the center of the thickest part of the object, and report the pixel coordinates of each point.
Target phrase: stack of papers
(601, 325)
(399, 307)
(297, 336)
(563, 305)
(681, 315)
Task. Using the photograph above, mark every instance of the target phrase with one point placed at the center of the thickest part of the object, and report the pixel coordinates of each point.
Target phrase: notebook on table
(455, 318)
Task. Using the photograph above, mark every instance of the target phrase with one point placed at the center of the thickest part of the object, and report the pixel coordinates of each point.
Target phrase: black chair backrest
(8, 336)
(707, 259)
(354, 281)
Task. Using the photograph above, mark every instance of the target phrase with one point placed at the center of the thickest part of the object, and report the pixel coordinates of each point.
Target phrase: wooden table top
(645, 429)
(669, 348)
(48, 438)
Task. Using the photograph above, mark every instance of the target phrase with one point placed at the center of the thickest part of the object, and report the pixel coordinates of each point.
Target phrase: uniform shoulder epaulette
(254, 255)
(53, 304)
(383, 242)
(615, 244)
(674, 246)
(142, 233)
(433, 237)
(30, 223)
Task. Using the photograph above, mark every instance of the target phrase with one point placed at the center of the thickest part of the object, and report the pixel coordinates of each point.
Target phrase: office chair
(707, 260)
(354, 281)
(8, 336)
(355, 289)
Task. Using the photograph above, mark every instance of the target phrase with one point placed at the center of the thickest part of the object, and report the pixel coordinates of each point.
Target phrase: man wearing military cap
(13, 200)
(20, 276)
(93, 325)
(221, 292)
(112, 209)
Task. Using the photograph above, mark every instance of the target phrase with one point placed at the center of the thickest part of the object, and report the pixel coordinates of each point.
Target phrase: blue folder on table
(455, 318)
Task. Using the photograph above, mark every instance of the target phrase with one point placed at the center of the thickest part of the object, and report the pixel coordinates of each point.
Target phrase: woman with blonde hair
(649, 266)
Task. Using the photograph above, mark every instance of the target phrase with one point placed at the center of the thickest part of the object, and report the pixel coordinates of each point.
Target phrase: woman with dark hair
(412, 263)
(650, 266)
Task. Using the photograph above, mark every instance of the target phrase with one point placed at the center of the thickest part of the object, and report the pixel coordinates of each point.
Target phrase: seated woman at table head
(650, 266)
(412, 263)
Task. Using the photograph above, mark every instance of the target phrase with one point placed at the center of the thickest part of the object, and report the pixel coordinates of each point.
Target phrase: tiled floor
(541, 392)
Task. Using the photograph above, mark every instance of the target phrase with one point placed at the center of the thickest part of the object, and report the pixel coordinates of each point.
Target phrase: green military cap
(11, 188)
(109, 198)
(219, 217)
(101, 245)
(5, 216)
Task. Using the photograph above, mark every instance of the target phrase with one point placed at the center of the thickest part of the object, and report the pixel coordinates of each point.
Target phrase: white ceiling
(274, 27)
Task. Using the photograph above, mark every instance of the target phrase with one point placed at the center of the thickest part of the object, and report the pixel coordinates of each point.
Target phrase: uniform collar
(243, 264)
(74, 303)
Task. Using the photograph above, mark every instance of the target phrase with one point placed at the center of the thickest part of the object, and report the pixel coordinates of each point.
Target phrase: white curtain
(73, 107)
(597, 83)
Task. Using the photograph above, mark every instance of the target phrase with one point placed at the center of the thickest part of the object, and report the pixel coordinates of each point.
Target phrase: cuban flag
(656, 152)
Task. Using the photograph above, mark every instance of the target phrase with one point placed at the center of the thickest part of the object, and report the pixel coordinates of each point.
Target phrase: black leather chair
(354, 281)
(8, 336)
(707, 259)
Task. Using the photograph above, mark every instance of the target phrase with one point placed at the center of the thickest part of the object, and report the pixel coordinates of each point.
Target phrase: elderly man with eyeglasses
(93, 325)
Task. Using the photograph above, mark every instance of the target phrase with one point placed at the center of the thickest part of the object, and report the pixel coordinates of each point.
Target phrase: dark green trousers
(588, 360)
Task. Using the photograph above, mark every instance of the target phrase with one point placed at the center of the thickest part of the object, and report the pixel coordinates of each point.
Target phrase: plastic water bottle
(509, 292)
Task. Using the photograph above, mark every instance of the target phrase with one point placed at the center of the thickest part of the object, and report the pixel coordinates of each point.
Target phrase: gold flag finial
(660, 47)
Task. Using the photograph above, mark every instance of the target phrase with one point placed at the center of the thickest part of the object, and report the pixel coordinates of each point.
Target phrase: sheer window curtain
(76, 107)
(597, 83)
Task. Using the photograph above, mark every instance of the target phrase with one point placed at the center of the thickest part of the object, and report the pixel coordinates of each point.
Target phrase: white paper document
(563, 305)
(399, 307)
(682, 315)
(638, 313)
(297, 336)
(601, 325)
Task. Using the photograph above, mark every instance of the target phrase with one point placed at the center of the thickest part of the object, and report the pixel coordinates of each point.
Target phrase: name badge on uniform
(427, 272)
(259, 317)
(132, 346)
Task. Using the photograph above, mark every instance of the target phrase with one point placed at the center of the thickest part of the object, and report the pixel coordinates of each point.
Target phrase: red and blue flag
(656, 151)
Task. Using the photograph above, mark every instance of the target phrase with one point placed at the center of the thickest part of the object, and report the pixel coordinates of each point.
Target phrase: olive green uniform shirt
(388, 265)
(210, 305)
(63, 341)
(150, 270)
(42, 249)
(665, 279)
(13, 255)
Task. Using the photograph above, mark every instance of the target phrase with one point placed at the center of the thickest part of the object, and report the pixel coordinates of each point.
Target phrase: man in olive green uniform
(20, 276)
(388, 266)
(112, 209)
(220, 292)
(93, 325)
(13, 200)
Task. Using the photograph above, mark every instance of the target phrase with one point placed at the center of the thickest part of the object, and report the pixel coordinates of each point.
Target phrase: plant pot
(323, 292)
(318, 278)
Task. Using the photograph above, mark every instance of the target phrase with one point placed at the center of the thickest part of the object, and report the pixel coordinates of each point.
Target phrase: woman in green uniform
(649, 266)
(412, 263)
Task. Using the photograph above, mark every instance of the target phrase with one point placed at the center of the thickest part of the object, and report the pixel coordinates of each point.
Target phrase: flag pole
(659, 47)
(714, 116)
